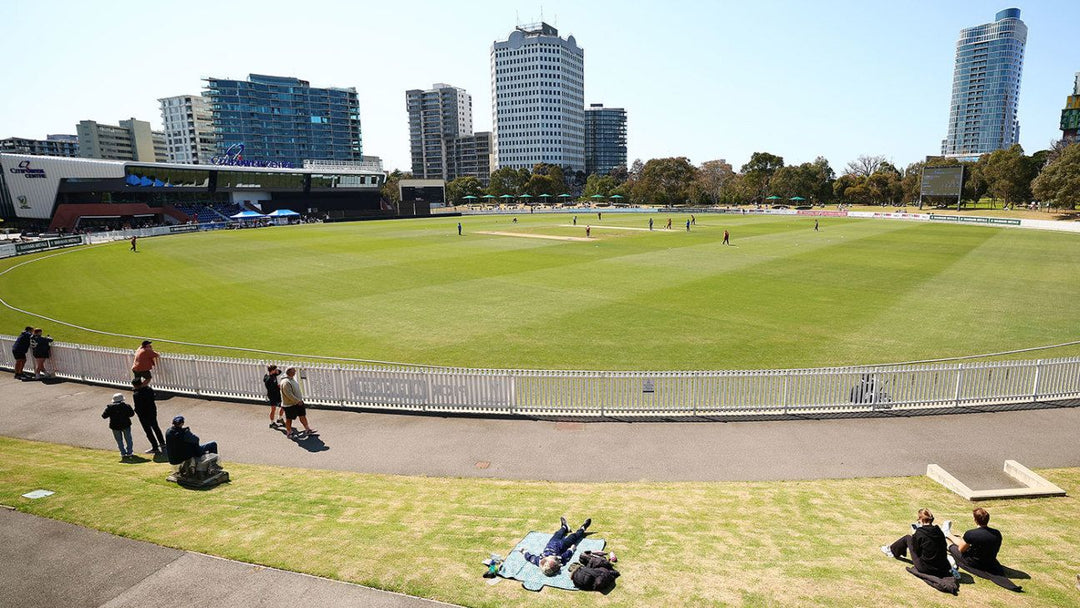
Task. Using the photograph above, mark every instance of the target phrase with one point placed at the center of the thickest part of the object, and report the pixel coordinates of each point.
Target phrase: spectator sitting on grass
(559, 549)
(929, 551)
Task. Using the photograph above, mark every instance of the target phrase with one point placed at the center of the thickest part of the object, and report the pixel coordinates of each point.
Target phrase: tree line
(1007, 176)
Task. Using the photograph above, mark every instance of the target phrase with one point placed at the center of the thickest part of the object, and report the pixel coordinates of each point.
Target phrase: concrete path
(972, 446)
(46, 563)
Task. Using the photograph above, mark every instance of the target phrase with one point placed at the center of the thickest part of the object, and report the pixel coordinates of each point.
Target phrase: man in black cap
(182, 444)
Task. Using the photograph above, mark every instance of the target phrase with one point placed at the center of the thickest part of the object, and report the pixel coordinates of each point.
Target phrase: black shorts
(19, 356)
(143, 375)
(292, 412)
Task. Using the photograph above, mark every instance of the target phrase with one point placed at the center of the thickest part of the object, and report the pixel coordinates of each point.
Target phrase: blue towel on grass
(531, 577)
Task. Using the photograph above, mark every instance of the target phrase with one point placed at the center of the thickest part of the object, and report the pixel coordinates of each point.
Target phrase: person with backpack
(119, 416)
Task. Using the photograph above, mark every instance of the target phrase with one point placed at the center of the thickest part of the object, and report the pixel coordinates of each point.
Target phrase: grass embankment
(808, 543)
(782, 295)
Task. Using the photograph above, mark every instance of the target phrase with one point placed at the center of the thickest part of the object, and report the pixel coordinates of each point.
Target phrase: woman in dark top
(927, 546)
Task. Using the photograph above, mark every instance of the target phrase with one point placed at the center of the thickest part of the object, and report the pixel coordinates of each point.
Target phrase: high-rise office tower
(285, 120)
(538, 99)
(436, 118)
(986, 87)
(130, 140)
(189, 129)
(470, 155)
(605, 139)
(1070, 116)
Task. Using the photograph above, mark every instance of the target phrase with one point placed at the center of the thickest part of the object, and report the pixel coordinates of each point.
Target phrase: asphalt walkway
(46, 563)
(973, 446)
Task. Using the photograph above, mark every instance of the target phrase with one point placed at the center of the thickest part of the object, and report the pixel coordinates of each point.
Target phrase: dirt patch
(550, 237)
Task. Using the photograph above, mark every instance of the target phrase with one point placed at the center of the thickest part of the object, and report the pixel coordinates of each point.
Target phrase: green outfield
(781, 295)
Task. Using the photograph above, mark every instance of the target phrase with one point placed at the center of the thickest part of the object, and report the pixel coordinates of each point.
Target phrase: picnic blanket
(531, 577)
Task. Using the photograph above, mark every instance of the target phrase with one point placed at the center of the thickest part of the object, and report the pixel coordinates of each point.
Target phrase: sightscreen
(942, 181)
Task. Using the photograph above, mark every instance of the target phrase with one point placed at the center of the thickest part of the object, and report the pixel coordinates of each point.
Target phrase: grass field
(782, 295)
(811, 543)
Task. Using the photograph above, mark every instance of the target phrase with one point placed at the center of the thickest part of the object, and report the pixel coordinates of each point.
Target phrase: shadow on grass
(1014, 573)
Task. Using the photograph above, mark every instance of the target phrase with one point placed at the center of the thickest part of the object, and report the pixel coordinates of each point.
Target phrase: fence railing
(670, 394)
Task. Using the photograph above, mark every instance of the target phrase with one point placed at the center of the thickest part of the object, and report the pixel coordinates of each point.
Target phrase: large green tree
(665, 181)
(709, 183)
(1008, 174)
(604, 185)
(505, 180)
(457, 189)
(1059, 182)
(758, 171)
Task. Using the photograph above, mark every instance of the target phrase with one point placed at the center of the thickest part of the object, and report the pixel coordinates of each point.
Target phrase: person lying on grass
(559, 549)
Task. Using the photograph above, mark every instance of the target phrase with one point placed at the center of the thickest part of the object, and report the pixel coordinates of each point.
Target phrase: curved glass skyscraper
(986, 86)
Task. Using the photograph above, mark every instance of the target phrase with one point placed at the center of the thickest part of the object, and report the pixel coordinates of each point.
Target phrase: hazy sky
(705, 80)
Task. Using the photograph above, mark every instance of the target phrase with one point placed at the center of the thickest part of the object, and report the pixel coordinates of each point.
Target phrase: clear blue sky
(705, 80)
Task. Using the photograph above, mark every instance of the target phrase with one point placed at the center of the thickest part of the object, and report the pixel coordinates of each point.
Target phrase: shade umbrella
(525, 196)
(489, 196)
(616, 196)
(566, 196)
(597, 196)
(772, 198)
(469, 197)
(797, 198)
(507, 196)
(545, 195)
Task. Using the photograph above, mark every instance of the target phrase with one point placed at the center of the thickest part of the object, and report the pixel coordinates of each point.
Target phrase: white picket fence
(617, 394)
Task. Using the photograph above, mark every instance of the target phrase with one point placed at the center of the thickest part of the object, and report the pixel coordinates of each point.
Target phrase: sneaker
(152, 451)
(947, 527)
(273, 425)
(952, 561)
(311, 432)
(562, 520)
(585, 525)
(280, 422)
(955, 573)
(887, 550)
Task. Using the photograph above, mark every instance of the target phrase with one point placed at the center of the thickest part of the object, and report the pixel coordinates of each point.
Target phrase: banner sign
(234, 157)
(184, 228)
(65, 241)
(974, 220)
(823, 213)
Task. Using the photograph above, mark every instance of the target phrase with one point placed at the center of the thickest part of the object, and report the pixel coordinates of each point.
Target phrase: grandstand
(69, 193)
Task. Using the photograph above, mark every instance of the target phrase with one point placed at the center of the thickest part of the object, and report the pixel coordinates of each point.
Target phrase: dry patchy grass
(805, 543)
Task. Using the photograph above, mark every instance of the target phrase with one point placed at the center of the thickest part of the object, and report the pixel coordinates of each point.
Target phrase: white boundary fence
(686, 394)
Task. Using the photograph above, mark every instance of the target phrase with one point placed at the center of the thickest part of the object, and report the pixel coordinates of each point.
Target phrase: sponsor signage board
(974, 220)
(64, 241)
(28, 172)
(184, 228)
